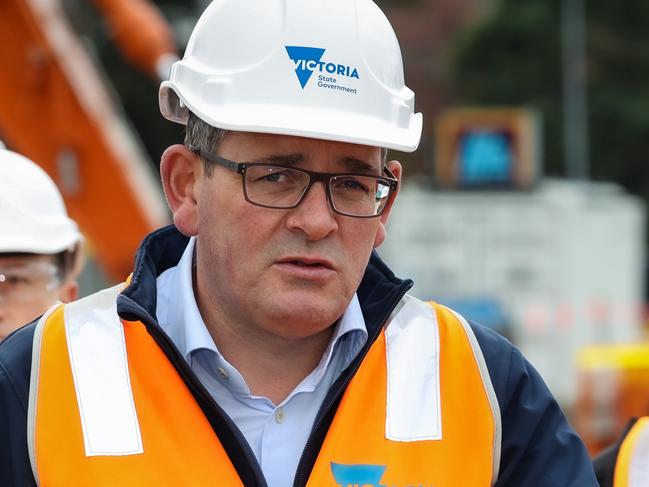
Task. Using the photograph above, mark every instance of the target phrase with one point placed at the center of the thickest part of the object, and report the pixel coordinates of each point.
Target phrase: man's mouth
(307, 262)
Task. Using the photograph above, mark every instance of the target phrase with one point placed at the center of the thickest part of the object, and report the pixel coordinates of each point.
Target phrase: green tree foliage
(513, 57)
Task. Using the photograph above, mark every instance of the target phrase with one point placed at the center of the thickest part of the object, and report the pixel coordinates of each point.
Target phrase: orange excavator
(55, 109)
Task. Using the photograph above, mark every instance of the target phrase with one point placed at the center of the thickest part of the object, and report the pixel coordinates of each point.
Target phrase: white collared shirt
(276, 433)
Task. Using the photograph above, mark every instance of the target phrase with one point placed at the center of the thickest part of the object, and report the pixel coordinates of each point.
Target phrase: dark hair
(203, 135)
(65, 262)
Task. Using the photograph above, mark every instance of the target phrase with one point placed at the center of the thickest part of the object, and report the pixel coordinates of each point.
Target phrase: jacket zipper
(303, 470)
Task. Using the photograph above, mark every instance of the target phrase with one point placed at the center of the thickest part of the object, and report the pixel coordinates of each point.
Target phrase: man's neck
(271, 365)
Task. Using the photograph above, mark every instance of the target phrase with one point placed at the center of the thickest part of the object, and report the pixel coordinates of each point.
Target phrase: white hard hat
(326, 69)
(33, 218)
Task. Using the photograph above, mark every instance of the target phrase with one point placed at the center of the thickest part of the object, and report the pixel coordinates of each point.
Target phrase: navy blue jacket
(538, 446)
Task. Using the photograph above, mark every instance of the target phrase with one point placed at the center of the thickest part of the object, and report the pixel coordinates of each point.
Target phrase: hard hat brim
(59, 240)
(296, 121)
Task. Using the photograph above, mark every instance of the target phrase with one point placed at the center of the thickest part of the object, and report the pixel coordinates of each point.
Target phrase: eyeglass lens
(25, 282)
(281, 187)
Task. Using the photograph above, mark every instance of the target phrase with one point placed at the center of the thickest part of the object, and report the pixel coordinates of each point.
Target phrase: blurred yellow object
(633, 356)
(613, 387)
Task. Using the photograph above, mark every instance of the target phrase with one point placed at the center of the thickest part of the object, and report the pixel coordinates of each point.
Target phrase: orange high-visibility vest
(632, 465)
(108, 408)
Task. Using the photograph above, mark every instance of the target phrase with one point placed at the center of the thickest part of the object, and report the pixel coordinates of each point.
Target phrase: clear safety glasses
(283, 187)
(27, 281)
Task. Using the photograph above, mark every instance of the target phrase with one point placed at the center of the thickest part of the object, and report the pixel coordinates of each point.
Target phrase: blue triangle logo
(301, 56)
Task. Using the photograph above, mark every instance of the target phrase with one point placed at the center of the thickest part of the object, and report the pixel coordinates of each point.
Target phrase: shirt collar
(351, 325)
(178, 312)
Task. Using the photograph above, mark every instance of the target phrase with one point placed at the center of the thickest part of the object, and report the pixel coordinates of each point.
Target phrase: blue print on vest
(358, 475)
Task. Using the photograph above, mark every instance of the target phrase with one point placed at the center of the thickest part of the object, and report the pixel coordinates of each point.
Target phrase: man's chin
(307, 314)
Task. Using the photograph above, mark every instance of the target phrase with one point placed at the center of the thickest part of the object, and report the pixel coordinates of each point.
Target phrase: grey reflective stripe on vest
(99, 365)
(491, 394)
(639, 462)
(33, 388)
(413, 405)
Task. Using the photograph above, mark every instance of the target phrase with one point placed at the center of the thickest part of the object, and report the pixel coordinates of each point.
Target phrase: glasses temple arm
(234, 166)
(394, 182)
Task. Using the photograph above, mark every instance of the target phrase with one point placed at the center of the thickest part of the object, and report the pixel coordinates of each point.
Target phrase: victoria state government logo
(363, 476)
(330, 75)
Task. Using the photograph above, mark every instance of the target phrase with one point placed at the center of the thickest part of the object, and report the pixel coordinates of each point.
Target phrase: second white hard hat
(33, 218)
(327, 69)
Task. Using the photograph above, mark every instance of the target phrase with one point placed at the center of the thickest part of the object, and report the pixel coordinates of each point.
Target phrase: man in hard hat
(260, 341)
(40, 246)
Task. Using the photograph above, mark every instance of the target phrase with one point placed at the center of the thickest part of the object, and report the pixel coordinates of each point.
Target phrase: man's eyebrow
(348, 163)
(355, 165)
(286, 159)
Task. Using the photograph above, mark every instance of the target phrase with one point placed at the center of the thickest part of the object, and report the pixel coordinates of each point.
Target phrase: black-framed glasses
(284, 187)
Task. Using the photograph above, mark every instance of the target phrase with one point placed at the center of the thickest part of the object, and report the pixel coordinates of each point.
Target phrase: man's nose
(314, 216)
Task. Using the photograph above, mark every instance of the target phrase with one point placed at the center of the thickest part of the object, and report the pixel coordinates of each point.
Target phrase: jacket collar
(379, 289)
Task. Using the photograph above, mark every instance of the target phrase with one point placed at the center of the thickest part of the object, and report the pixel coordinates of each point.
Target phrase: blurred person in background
(40, 246)
(626, 463)
(261, 341)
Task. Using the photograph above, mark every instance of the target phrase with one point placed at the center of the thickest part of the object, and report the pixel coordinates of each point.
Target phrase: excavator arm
(56, 110)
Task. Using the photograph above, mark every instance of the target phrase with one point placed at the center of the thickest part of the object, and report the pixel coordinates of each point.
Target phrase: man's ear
(69, 291)
(395, 168)
(180, 171)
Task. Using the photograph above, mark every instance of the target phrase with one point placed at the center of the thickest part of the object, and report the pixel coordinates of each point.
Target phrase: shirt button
(222, 372)
(279, 415)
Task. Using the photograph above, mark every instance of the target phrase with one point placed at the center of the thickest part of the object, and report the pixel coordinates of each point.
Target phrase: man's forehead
(286, 149)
